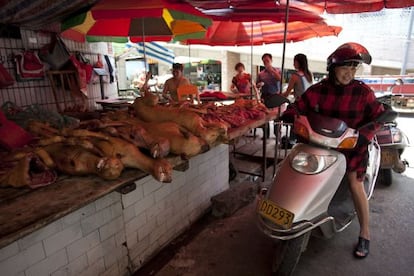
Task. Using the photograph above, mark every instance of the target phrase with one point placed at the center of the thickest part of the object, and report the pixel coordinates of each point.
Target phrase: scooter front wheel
(287, 255)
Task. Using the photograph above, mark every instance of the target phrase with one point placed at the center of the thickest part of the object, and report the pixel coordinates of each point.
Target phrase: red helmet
(348, 52)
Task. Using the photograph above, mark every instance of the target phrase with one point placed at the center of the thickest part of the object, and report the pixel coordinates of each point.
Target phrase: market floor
(235, 246)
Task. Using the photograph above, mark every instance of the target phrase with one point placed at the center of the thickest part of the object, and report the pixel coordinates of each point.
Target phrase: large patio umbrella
(359, 6)
(355, 6)
(247, 10)
(234, 33)
(116, 20)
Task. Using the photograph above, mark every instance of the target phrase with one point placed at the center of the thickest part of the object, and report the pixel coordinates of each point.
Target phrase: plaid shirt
(355, 104)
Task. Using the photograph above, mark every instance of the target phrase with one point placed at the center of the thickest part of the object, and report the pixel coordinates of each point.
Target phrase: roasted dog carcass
(76, 160)
(113, 147)
(181, 141)
(132, 157)
(134, 133)
(147, 109)
(25, 169)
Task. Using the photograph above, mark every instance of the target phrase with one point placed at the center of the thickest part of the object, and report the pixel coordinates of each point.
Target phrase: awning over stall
(153, 50)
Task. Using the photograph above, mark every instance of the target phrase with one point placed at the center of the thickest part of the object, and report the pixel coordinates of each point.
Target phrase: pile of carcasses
(142, 138)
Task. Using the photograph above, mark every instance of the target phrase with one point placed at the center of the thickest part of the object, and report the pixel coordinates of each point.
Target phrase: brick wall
(117, 234)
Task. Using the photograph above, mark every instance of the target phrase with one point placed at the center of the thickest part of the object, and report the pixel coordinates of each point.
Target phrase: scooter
(309, 193)
(393, 143)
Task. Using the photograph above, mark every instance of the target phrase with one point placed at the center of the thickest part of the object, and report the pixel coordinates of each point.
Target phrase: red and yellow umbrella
(159, 20)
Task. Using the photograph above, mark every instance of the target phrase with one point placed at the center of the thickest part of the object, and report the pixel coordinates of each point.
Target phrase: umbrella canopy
(111, 20)
(40, 14)
(355, 6)
(247, 10)
(230, 33)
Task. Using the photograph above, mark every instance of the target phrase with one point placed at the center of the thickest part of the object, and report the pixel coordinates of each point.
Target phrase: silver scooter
(309, 193)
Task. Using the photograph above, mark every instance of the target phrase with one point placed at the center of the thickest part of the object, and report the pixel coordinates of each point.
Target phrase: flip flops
(362, 248)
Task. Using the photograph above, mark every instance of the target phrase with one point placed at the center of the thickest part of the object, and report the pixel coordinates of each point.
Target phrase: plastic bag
(56, 54)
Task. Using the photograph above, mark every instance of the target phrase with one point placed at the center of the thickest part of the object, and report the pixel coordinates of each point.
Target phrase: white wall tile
(112, 258)
(139, 248)
(94, 269)
(133, 196)
(111, 271)
(161, 193)
(120, 237)
(40, 234)
(151, 186)
(144, 204)
(135, 223)
(23, 260)
(146, 229)
(101, 250)
(132, 239)
(77, 215)
(81, 246)
(49, 265)
(96, 220)
(75, 267)
(128, 213)
(154, 210)
(116, 210)
(107, 200)
(157, 232)
(8, 251)
(62, 239)
(111, 228)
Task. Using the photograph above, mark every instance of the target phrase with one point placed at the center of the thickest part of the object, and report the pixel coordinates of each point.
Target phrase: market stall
(72, 218)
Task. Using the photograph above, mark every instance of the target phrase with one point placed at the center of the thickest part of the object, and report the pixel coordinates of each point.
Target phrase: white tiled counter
(117, 233)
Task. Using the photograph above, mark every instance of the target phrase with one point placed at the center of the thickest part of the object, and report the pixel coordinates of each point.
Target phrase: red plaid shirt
(355, 104)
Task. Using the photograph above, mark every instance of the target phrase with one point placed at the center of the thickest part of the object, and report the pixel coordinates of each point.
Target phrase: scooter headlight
(310, 163)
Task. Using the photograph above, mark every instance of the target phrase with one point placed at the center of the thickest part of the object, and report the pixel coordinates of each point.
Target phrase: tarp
(153, 50)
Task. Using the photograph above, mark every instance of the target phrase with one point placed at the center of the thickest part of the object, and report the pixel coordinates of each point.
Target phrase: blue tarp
(153, 50)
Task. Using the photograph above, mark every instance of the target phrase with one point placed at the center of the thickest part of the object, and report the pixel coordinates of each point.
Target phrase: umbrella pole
(143, 44)
(251, 63)
(284, 44)
(407, 44)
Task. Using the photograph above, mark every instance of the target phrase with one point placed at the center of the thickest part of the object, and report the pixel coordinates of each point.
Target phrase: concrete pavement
(235, 246)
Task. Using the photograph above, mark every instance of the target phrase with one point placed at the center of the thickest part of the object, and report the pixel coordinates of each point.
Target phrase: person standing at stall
(242, 82)
(269, 78)
(268, 81)
(301, 79)
(171, 85)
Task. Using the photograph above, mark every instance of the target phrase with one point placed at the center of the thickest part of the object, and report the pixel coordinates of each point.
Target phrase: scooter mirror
(275, 100)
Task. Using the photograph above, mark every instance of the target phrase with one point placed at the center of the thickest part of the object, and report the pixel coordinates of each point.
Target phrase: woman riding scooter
(341, 96)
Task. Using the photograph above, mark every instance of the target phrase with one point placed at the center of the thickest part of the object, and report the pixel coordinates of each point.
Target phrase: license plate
(388, 158)
(276, 214)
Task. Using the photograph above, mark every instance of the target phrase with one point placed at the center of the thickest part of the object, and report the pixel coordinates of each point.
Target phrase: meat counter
(145, 216)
